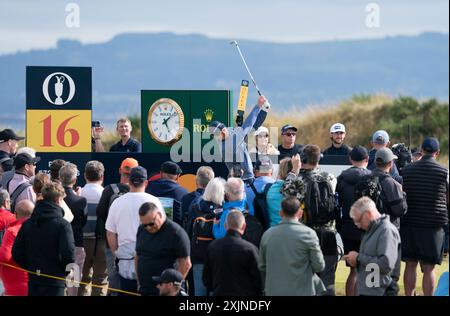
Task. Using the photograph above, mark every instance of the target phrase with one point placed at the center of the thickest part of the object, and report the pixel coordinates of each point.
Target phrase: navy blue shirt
(132, 146)
(344, 150)
(288, 153)
(169, 189)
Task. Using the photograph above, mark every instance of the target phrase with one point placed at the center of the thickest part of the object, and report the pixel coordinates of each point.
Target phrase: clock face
(165, 121)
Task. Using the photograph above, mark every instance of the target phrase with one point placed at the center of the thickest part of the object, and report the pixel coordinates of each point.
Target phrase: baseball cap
(8, 134)
(264, 164)
(169, 275)
(261, 130)
(215, 126)
(380, 137)
(25, 159)
(385, 155)
(138, 175)
(430, 145)
(170, 167)
(128, 164)
(359, 153)
(337, 127)
(286, 127)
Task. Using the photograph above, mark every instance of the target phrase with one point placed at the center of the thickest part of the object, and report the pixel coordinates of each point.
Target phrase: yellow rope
(63, 279)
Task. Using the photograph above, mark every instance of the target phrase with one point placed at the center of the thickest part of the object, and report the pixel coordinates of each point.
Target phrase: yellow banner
(59, 131)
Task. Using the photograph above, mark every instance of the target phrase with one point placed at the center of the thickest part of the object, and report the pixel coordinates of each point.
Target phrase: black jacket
(426, 187)
(344, 150)
(45, 243)
(394, 171)
(186, 203)
(394, 198)
(346, 190)
(231, 267)
(77, 205)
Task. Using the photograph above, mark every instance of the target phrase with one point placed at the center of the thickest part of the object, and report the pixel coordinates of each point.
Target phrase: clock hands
(166, 120)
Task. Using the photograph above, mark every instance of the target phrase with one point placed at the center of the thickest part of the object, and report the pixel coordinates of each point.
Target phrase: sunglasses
(290, 134)
(151, 224)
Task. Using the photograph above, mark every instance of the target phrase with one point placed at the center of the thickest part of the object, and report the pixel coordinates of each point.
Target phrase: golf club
(245, 64)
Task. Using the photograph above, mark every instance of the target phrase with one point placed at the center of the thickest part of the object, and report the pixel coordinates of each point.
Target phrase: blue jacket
(273, 199)
(169, 189)
(219, 230)
(234, 148)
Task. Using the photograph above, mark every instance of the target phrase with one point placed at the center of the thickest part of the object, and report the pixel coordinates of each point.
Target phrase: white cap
(337, 127)
(260, 130)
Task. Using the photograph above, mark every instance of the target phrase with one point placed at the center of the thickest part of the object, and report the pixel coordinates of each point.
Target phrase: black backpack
(404, 155)
(253, 230)
(202, 234)
(100, 230)
(320, 201)
(260, 205)
(370, 186)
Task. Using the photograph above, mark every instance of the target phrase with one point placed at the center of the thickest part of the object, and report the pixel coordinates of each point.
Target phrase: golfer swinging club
(232, 140)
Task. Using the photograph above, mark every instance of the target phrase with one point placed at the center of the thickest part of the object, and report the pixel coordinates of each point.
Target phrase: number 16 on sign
(59, 131)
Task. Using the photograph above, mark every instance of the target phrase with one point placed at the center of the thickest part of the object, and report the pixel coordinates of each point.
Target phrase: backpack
(89, 230)
(370, 186)
(253, 230)
(404, 155)
(193, 205)
(22, 187)
(202, 235)
(100, 230)
(319, 199)
(260, 205)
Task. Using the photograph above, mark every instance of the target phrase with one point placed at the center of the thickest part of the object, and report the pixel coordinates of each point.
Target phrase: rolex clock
(165, 121)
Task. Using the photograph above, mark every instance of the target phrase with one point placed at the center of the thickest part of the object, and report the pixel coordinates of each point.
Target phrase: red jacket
(6, 218)
(14, 280)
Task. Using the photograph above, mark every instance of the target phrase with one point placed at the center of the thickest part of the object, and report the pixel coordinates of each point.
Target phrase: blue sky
(30, 24)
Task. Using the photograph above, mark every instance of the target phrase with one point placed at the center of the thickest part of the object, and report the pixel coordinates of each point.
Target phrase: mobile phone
(95, 124)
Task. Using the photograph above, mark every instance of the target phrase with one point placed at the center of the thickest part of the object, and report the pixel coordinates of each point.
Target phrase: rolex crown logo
(209, 115)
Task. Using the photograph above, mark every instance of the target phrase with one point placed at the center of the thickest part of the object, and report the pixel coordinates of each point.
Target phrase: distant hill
(289, 74)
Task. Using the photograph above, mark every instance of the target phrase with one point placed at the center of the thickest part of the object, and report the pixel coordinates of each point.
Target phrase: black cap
(8, 134)
(358, 153)
(286, 127)
(169, 275)
(25, 159)
(138, 175)
(430, 145)
(170, 167)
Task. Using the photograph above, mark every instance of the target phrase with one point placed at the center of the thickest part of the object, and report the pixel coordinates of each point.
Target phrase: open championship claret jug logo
(58, 88)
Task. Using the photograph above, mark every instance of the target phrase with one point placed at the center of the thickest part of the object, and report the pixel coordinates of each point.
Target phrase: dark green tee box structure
(203, 106)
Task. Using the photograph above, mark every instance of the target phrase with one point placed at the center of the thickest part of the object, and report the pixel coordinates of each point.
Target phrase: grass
(343, 271)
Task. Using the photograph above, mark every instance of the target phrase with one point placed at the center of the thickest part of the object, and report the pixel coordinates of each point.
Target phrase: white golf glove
(266, 106)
